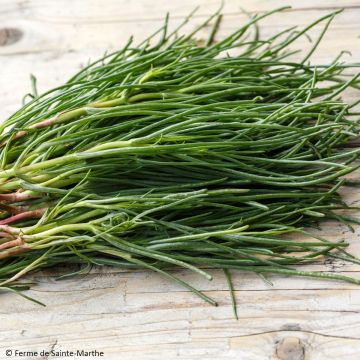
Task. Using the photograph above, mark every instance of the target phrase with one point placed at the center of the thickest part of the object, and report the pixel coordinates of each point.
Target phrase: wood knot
(9, 35)
(290, 348)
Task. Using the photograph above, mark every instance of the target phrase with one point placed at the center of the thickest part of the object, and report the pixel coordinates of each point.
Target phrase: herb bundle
(174, 154)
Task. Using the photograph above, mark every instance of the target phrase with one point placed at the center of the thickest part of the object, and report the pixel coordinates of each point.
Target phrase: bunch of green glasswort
(172, 153)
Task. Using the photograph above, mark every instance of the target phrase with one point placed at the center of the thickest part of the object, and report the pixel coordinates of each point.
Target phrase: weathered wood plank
(125, 318)
(54, 55)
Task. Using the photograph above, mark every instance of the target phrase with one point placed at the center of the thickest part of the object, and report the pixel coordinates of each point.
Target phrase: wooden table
(140, 315)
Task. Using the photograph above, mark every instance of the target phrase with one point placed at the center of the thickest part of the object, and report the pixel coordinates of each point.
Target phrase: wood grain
(140, 315)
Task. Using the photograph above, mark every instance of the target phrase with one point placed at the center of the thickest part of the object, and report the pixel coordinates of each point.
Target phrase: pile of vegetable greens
(171, 153)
